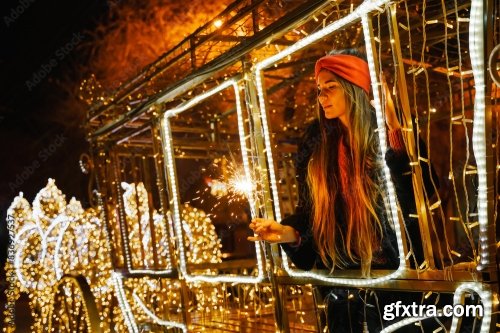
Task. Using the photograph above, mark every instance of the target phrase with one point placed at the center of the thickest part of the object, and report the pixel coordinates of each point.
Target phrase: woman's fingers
(268, 238)
(264, 223)
(265, 230)
(259, 224)
(261, 229)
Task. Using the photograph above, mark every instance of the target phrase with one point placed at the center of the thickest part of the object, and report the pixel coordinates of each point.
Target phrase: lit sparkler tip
(242, 185)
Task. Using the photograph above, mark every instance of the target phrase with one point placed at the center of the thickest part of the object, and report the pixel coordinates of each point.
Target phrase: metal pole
(273, 259)
(418, 187)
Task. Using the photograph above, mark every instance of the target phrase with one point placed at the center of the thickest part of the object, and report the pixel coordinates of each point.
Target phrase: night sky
(40, 53)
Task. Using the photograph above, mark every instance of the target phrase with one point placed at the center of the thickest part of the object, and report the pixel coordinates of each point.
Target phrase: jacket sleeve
(304, 254)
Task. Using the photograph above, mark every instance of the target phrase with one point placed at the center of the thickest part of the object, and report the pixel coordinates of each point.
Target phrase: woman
(340, 220)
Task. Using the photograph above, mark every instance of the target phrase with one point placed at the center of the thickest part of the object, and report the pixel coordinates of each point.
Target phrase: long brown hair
(361, 232)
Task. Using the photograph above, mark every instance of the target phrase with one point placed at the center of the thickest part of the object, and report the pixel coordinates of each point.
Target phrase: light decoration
(202, 246)
(476, 46)
(137, 216)
(155, 318)
(218, 23)
(201, 241)
(218, 188)
(360, 12)
(402, 323)
(68, 291)
(486, 300)
(169, 161)
(122, 223)
(52, 239)
(70, 240)
(123, 303)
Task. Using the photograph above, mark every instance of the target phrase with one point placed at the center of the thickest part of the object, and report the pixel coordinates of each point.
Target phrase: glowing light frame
(170, 162)
(476, 47)
(361, 12)
(128, 316)
(484, 293)
(155, 318)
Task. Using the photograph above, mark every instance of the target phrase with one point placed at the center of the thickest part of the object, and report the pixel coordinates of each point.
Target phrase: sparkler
(239, 184)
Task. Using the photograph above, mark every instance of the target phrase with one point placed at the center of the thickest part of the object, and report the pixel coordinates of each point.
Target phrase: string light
(486, 300)
(402, 323)
(70, 239)
(360, 12)
(476, 46)
(169, 161)
(124, 305)
(43, 239)
(155, 318)
(136, 204)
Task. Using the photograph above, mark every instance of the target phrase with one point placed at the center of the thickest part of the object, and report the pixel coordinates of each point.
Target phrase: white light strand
(476, 46)
(155, 318)
(169, 161)
(267, 141)
(366, 7)
(383, 139)
(58, 270)
(128, 316)
(402, 323)
(130, 214)
(122, 220)
(246, 166)
(18, 257)
(486, 298)
(360, 12)
(195, 100)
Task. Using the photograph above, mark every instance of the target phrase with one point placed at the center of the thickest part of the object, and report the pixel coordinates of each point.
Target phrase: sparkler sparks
(235, 184)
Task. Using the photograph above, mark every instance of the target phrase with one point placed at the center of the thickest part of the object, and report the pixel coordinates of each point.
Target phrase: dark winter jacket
(305, 256)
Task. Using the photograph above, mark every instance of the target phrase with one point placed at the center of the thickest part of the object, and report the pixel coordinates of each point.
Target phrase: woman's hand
(391, 118)
(272, 232)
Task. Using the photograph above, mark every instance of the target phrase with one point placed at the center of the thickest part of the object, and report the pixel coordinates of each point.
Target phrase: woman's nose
(321, 97)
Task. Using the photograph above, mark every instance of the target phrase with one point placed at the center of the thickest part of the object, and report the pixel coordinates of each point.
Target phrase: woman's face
(331, 96)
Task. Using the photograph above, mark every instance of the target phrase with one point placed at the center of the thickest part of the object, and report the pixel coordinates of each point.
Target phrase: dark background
(36, 111)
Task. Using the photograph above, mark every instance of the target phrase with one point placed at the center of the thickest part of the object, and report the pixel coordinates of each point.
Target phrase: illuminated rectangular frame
(361, 12)
(476, 47)
(479, 141)
(169, 161)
